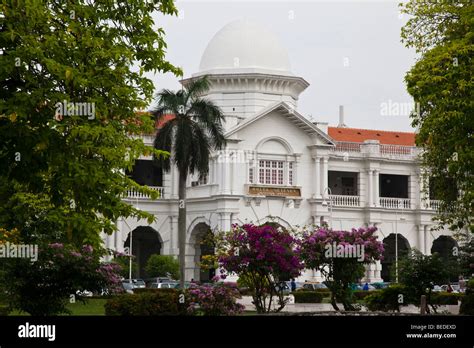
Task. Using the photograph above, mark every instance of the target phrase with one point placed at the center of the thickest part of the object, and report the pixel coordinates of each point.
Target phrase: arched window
(274, 163)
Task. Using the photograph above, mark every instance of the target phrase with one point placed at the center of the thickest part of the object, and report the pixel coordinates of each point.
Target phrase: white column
(317, 174)
(210, 175)
(428, 240)
(225, 177)
(370, 189)
(220, 176)
(226, 221)
(118, 244)
(376, 188)
(325, 176)
(175, 182)
(215, 176)
(421, 238)
(377, 271)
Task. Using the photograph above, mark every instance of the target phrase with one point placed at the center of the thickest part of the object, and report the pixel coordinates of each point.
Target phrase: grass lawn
(93, 306)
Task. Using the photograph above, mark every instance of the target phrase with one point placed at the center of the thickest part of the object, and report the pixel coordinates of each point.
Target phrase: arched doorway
(445, 246)
(201, 238)
(145, 242)
(389, 254)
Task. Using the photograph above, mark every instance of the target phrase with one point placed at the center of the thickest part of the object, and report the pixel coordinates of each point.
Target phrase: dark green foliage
(194, 129)
(145, 303)
(308, 296)
(467, 303)
(162, 266)
(62, 177)
(388, 299)
(361, 294)
(419, 273)
(442, 84)
(446, 298)
(124, 263)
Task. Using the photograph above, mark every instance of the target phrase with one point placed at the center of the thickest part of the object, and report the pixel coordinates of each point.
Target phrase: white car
(84, 293)
(163, 285)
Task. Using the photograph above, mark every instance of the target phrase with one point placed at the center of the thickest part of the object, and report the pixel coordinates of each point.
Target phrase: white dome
(244, 46)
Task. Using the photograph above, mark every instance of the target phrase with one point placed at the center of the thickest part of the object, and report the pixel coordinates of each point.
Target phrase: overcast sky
(322, 38)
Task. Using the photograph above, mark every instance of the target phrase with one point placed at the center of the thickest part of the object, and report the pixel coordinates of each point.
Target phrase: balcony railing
(346, 146)
(344, 200)
(383, 150)
(395, 203)
(133, 193)
(397, 150)
(433, 204)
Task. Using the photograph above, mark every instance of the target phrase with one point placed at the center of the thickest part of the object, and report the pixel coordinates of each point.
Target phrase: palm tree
(190, 135)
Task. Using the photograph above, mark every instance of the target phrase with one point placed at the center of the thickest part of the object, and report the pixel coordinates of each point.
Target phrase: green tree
(419, 273)
(161, 266)
(441, 83)
(62, 176)
(124, 263)
(190, 135)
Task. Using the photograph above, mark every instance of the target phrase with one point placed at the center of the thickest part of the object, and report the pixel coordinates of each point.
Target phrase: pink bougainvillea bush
(340, 256)
(214, 299)
(262, 257)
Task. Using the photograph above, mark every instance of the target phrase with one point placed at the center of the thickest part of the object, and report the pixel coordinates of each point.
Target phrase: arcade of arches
(443, 245)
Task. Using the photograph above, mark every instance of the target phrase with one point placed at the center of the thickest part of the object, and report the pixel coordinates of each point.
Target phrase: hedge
(362, 294)
(308, 296)
(145, 302)
(386, 299)
(467, 303)
(445, 298)
(4, 310)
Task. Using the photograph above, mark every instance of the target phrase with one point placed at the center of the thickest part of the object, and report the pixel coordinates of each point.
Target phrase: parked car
(455, 287)
(299, 285)
(150, 281)
(187, 285)
(380, 285)
(163, 285)
(437, 288)
(128, 287)
(283, 286)
(139, 283)
(313, 286)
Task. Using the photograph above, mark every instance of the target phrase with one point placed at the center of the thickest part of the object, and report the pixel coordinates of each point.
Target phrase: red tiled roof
(162, 120)
(360, 135)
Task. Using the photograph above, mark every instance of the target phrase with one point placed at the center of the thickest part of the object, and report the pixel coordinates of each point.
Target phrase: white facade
(278, 165)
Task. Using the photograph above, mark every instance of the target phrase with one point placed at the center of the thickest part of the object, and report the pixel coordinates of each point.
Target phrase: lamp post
(330, 204)
(130, 258)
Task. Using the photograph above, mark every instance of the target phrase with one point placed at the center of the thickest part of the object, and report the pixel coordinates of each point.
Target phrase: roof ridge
(372, 130)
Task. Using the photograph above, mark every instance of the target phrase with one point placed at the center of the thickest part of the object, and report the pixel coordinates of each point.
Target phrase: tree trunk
(182, 226)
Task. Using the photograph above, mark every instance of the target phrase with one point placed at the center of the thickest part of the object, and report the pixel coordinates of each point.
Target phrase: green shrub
(361, 294)
(4, 310)
(467, 303)
(445, 298)
(387, 299)
(162, 265)
(308, 296)
(324, 292)
(146, 302)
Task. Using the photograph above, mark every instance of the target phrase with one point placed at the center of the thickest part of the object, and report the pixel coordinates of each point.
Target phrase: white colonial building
(281, 167)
